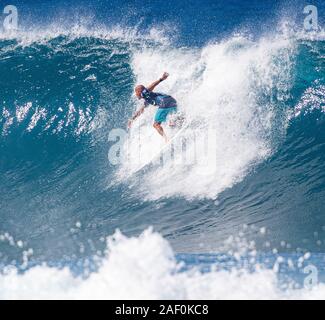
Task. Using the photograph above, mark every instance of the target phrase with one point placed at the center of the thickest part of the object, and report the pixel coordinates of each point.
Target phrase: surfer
(166, 104)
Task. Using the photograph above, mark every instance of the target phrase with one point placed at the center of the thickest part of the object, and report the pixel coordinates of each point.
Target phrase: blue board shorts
(162, 114)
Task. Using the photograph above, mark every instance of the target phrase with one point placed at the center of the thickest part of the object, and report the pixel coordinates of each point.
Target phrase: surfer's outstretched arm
(136, 115)
(155, 84)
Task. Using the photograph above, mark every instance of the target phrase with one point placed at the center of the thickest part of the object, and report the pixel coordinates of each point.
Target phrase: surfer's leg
(160, 130)
(173, 118)
(160, 117)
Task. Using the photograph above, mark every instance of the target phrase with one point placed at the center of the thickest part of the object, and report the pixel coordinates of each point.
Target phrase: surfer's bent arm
(155, 84)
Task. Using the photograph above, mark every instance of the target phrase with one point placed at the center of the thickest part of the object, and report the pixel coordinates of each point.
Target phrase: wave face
(62, 94)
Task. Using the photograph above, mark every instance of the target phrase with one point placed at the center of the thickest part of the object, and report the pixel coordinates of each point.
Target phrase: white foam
(222, 86)
(312, 99)
(145, 268)
(44, 34)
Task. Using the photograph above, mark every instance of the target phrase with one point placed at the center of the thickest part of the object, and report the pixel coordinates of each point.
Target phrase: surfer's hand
(165, 76)
(130, 123)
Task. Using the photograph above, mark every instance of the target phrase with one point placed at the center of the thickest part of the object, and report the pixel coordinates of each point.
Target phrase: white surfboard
(158, 154)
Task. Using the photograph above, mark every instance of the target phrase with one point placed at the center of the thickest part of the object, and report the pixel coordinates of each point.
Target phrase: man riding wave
(166, 104)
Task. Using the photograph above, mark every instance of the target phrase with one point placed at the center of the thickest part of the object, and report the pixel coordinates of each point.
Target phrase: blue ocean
(76, 225)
